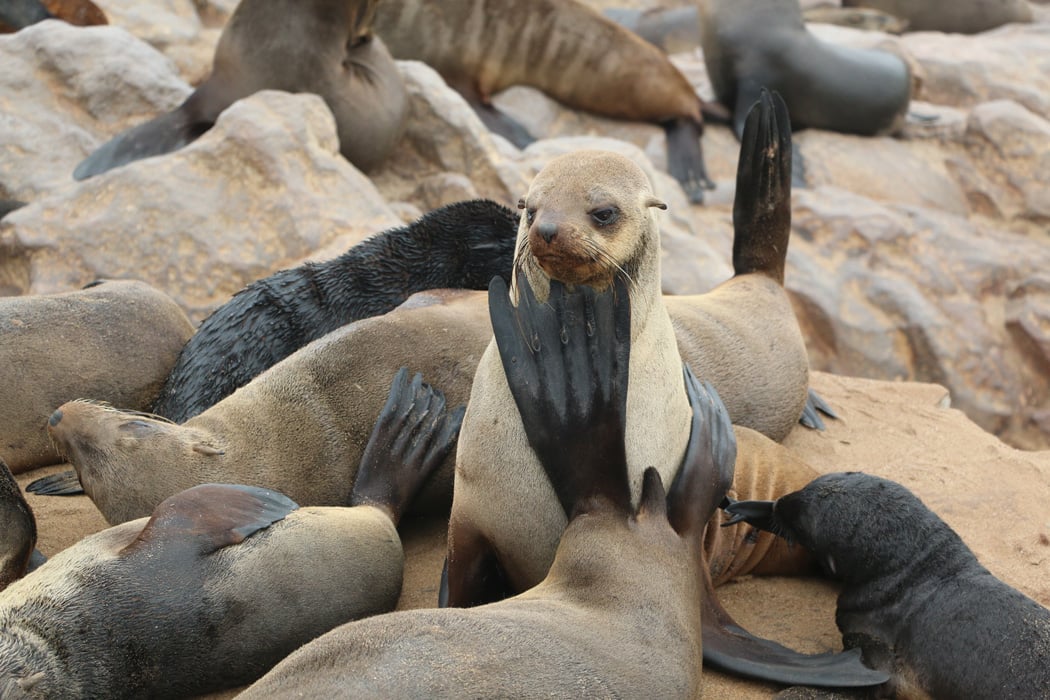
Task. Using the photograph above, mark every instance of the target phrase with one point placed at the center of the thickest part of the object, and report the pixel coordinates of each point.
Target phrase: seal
(461, 245)
(19, 14)
(587, 629)
(966, 17)
(321, 46)
(752, 44)
(17, 531)
(588, 222)
(300, 428)
(561, 47)
(114, 340)
(914, 597)
(237, 577)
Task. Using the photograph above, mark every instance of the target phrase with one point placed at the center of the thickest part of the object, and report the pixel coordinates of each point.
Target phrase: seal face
(915, 599)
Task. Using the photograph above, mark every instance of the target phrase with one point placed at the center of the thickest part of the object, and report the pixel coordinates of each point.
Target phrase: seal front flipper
(685, 157)
(61, 484)
(814, 407)
(164, 134)
(211, 516)
(731, 648)
(412, 436)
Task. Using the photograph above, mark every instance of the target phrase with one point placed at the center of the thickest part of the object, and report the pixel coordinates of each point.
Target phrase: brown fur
(115, 341)
(82, 13)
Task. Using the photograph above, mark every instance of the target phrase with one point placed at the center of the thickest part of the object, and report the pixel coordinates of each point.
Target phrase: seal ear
(207, 450)
(654, 202)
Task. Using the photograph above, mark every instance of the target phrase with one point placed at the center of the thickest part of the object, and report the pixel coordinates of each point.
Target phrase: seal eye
(605, 215)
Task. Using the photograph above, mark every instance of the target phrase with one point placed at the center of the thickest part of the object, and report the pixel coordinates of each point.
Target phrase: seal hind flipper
(566, 362)
(815, 405)
(212, 516)
(729, 647)
(685, 157)
(61, 484)
(762, 206)
(694, 494)
(164, 134)
(411, 438)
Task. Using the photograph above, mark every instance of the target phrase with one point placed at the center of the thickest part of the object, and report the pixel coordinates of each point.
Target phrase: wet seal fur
(588, 221)
(324, 47)
(461, 245)
(914, 597)
(954, 16)
(222, 581)
(755, 44)
(599, 624)
(114, 341)
(561, 47)
(17, 531)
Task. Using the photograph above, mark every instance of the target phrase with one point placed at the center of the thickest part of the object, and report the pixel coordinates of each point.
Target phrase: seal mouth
(761, 515)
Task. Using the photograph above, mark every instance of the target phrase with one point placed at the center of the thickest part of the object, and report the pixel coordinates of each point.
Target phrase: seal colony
(234, 577)
(754, 44)
(600, 624)
(561, 47)
(325, 47)
(914, 597)
(113, 340)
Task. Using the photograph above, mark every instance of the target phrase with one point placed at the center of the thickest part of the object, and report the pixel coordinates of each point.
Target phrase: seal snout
(55, 418)
(547, 230)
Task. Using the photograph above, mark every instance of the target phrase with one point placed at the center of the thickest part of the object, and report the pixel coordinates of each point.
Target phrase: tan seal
(951, 16)
(222, 581)
(115, 341)
(561, 47)
(324, 47)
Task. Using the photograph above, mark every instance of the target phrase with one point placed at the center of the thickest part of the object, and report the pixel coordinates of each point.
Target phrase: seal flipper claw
(61, 484)
(411, 438)
(731, 648)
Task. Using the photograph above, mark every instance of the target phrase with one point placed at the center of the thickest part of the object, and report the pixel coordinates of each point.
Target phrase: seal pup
(299, 428)
(599, 624)
(321, 46)
(914, 597)
(755, 44)
(222, 581)
(114, 340)
(563, 48)
(17, 531)
(461, 245)
(954, 16)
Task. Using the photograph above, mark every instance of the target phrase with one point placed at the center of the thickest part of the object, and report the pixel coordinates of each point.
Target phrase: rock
(258, 192)
(64, 90)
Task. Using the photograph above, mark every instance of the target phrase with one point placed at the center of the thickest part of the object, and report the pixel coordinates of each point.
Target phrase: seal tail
(762, 206)
(164, 134)
(731, 648)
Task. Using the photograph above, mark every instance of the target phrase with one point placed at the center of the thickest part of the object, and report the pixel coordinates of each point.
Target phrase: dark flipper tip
(815, 405)
(63, 484)
(756, 513)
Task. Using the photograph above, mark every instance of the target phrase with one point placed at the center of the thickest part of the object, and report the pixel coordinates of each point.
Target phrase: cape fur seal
(17, 531)
(914, 597)
(321, 46)
(462, 245)
(600, 624)
(114, 341)
(561, 47)
(953, 16)
(588, 222)
(755, 44)
(223, 580)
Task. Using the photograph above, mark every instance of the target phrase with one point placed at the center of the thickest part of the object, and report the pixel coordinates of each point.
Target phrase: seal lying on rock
(461, 245)
(114, 341)
(562, 47)
(754, 44)
(619, 613)
(914, 597)
(222, 581)
(321, 46)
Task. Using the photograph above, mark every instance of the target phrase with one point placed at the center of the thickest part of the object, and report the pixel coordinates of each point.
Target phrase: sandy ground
(993, 495)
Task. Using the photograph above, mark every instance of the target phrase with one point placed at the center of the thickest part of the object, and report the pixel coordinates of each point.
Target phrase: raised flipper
(811, 411)
(566, 362)
(411, 438)
(209, 517)
(685, 157)
(61, 484)
(164, 134)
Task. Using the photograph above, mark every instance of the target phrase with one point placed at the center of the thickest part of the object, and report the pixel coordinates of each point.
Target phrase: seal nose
(55, 418)
(547, 230)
